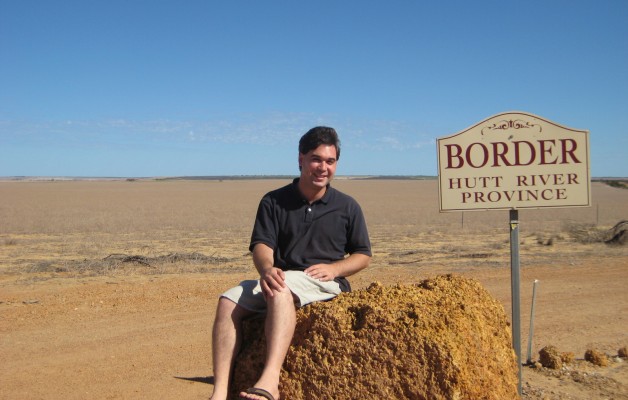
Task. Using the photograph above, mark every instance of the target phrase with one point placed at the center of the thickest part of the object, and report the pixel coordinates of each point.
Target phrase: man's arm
(353, 264)
(271, 278)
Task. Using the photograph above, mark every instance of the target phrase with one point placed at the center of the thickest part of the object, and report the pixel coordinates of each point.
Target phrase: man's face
(318, 166)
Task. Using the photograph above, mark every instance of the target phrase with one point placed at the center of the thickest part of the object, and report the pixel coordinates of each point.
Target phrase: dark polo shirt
(303, 234)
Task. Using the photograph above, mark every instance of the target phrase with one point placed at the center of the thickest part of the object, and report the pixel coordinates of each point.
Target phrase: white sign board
(514, 160)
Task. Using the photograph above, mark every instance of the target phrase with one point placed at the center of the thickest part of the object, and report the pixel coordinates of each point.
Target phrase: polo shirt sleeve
(265, 229)
(357, 236)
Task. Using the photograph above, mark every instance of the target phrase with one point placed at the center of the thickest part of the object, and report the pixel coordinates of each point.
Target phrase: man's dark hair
(317, 136)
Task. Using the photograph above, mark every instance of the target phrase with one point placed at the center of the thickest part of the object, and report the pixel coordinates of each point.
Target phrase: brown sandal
(260, 392)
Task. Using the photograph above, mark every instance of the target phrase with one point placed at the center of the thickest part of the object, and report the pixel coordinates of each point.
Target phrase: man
(301, 238)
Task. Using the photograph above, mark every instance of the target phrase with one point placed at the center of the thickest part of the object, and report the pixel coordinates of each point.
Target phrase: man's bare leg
(280, 324)
(226, 340)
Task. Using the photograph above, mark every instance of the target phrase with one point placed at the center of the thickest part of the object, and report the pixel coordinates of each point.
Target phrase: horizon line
(230, 177)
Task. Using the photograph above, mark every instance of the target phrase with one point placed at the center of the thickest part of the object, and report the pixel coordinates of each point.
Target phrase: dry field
(108, 288)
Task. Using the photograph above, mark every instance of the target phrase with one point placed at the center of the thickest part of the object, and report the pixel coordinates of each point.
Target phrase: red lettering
(516, 153)
(494, 196)
(532, 194)
(546, 150)
(451, 156)
(484, 155)
(561, 194)
(509, 194)
(499, 153)
(569, 151)
(518, 161)
(544, 178)
(572, 178)
(455, 181)
(527, 195)
(522, 180)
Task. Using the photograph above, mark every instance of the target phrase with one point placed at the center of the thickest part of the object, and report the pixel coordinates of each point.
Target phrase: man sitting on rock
(302, 235)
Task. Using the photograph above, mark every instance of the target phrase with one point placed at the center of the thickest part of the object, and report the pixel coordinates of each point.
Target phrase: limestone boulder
(442, 338)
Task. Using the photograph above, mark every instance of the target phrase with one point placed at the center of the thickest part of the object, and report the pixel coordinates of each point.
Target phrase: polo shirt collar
(325, 199)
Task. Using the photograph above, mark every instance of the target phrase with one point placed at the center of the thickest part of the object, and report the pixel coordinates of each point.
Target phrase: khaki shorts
(248, 294)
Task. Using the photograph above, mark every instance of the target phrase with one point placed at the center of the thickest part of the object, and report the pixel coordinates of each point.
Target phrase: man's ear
(300, 161)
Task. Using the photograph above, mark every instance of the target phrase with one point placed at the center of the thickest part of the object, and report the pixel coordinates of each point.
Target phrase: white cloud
(272, 129)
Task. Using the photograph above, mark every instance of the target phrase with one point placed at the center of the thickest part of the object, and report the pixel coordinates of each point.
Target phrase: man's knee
(226, 304)
(228, 309)
(284, 295)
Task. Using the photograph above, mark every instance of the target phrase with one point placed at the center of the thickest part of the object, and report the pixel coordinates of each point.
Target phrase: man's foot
(256, 393)
(218, 396)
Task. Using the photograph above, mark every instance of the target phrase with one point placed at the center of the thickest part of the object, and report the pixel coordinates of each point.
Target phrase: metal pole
(516, 296)
(529, 359)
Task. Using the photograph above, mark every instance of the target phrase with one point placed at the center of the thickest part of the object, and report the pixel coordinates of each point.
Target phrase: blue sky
(168, 88)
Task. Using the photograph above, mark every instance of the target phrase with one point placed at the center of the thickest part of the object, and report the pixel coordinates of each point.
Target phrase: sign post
(513, 161)
(515, 285)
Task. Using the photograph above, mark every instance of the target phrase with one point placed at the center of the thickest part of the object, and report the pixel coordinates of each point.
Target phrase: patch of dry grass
(586, 233)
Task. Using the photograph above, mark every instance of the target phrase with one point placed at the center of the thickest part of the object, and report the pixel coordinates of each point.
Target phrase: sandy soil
(140, 331)
(149, 336)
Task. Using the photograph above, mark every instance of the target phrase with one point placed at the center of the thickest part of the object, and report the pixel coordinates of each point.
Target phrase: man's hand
(326, 272)
(322, 272)
(272, 279)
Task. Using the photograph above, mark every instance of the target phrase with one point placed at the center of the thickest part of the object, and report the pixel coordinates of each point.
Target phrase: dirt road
(144, 336)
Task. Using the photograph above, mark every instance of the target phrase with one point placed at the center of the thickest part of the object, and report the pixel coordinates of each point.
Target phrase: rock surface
(596, 357)
(443, 338)
(549, 356)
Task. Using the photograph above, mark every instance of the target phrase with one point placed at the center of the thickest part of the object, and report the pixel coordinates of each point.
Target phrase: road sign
(514, 160)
